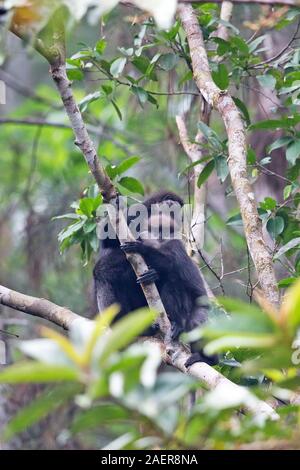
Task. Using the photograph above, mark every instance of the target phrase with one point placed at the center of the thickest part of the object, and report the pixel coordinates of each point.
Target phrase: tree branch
(85, 144)
(83, 140)
(225, 15)
(194, 153)
(177, 357)
(222, 102)
(41, 308)
(52, 47)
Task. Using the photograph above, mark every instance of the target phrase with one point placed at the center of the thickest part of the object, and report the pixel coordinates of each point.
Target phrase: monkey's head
(163, 196)
(164, 216)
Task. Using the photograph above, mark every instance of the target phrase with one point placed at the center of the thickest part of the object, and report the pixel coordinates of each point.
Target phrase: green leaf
(267, 124)
(44, 350)
(89, 227)
(287, 247)
(141, 63)
(40, 407)
(97, 416)
(268, 204)
(205, 173)
(238, 306)
(256, 42)
(66, 216)
(210, 135)
(236, 341)
(132, 184)
(111, 170)
(281, 142)
(125, 330)
(172, 33)
(223, 46)
(241, 44)
(101, 46)
(152, 100)
(74, 63)
(287, 191)
(75, 74)
(290, 309)
(71, 229)
(94, 240)
(126, 164)
(267, 81)
(118, 111)
(244, 110)
(128, 52)
(285, 123)
(275, 226)
(141, 94)
(86, 206)
(221, 77)
(186, 77)
(290, 89)
(83, 104)
(251, 156)
(235, 220)
(222, 168)
(117, 66)
(107, 89)
(293, 152)
(288, 281)
(168, 61)
(36, 372)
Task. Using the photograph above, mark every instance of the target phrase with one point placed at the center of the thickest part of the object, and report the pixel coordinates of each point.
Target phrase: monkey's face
(160, 227)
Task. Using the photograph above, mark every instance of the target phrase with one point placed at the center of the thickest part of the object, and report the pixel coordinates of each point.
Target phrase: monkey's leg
(176, 330)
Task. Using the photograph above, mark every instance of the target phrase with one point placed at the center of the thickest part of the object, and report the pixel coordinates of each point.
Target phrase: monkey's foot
(176, 331)
(131, 247)
(148, 277)
(201, 357)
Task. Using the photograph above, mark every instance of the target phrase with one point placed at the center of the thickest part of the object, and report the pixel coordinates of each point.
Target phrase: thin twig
(283, 50)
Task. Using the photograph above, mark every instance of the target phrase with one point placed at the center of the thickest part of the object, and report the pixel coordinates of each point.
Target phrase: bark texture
(224, 104)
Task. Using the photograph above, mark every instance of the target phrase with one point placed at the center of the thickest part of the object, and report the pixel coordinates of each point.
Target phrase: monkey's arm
(185, 268)
(111, 273)
(105, 295)
(152, 255)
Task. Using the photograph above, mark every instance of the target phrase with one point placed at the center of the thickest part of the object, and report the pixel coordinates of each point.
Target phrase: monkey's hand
(212, 360)
(176, 331)
(132, 247)
(148, 277)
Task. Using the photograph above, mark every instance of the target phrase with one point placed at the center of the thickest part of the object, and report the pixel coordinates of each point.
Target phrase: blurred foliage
(131, 79)
(120, 391)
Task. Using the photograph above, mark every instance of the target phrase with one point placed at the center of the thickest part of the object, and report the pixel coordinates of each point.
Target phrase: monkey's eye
(3, 11)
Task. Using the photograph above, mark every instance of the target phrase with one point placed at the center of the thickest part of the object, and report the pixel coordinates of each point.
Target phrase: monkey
(176, 276)
(116, 282)
(114, 278)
